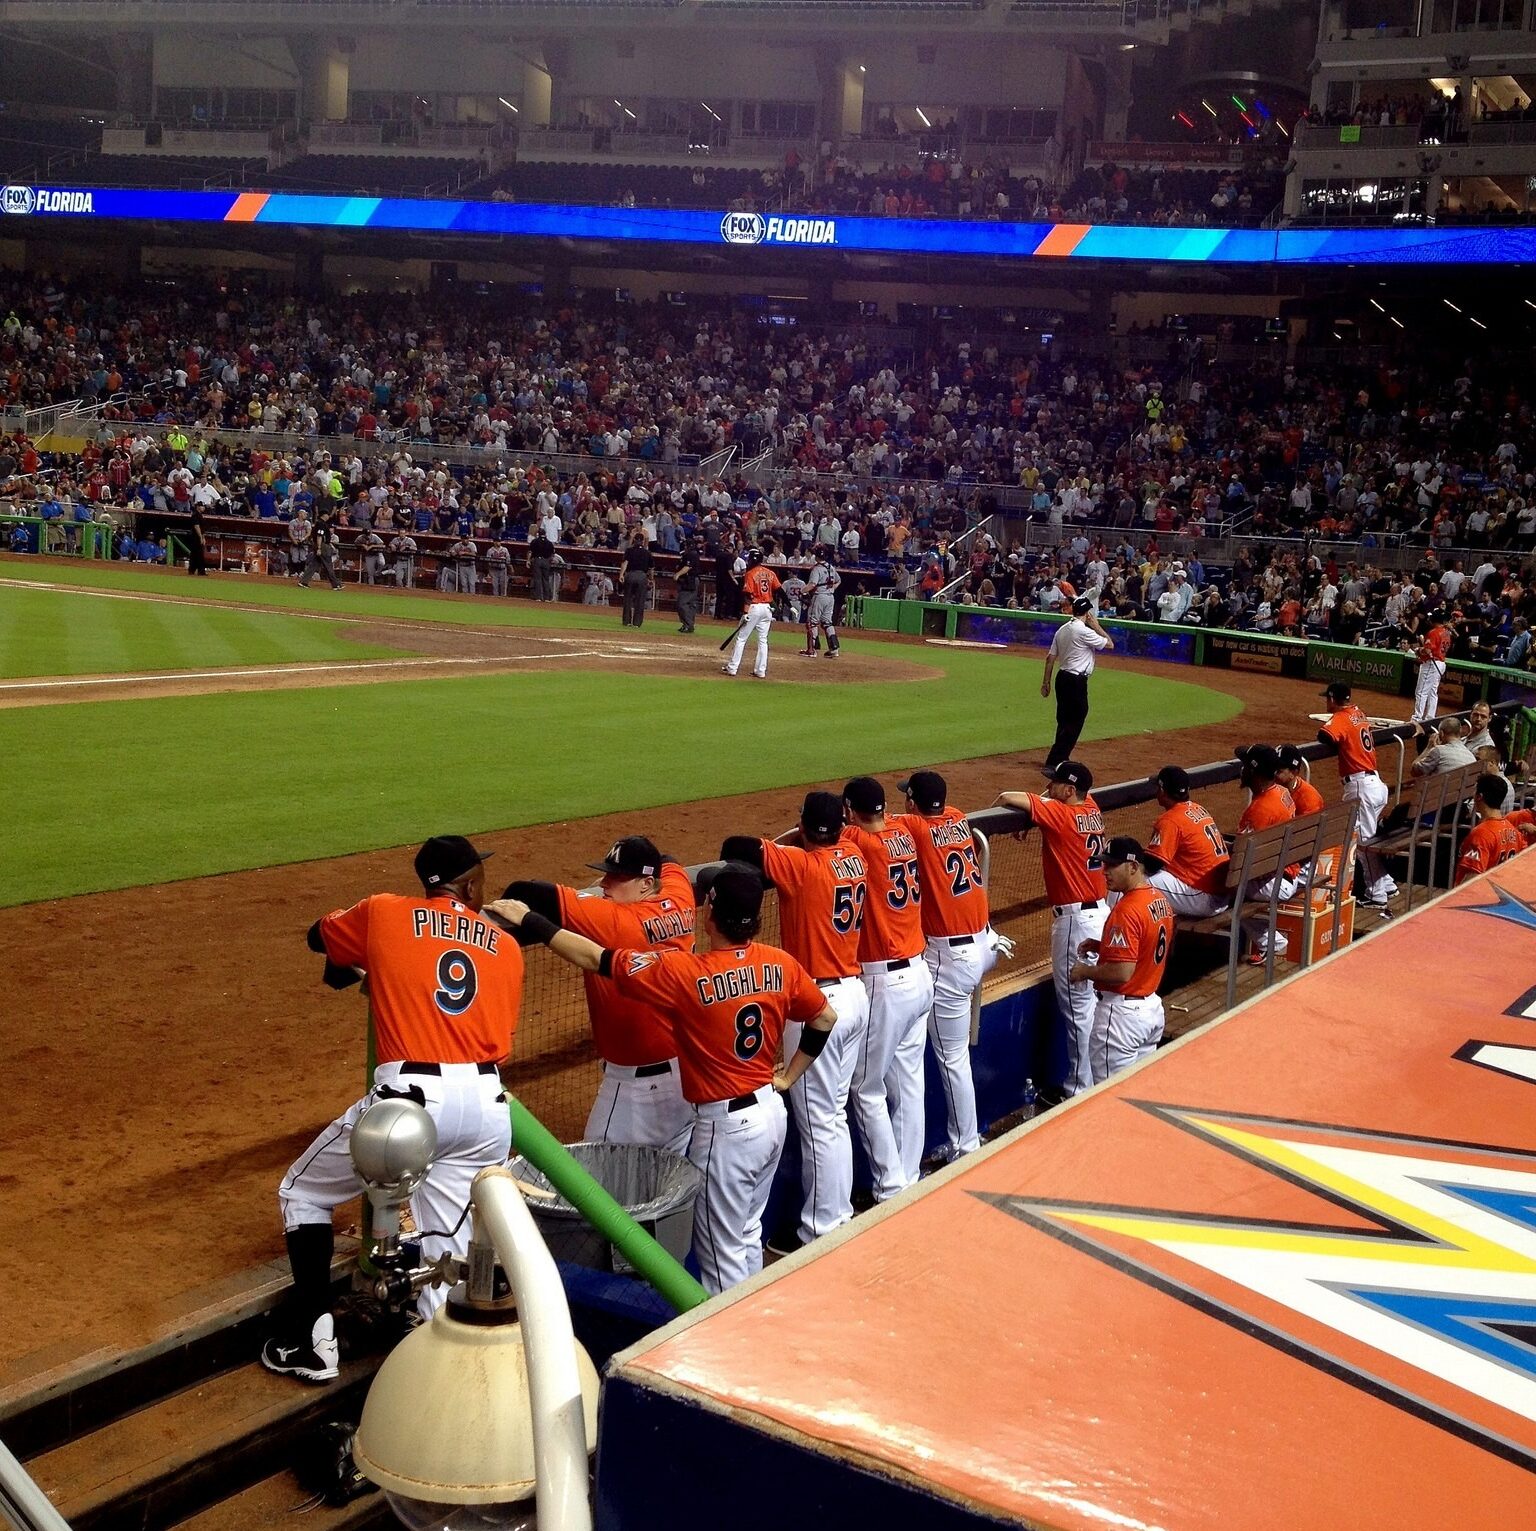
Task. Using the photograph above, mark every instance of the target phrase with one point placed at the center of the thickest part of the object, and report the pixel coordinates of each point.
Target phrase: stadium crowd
(881, 442)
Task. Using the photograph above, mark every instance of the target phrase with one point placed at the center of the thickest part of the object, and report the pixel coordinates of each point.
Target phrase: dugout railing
(555, 1071)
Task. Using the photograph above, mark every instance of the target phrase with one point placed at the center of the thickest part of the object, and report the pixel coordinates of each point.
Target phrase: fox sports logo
(19, 200)
(743, 228)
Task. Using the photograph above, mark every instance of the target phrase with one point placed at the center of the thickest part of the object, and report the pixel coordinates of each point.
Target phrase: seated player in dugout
(645, 902)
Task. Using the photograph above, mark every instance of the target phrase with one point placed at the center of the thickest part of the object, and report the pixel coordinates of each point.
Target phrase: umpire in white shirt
(1070, 659)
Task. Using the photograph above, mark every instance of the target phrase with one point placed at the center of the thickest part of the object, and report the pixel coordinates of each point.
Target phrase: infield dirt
(176, 1049)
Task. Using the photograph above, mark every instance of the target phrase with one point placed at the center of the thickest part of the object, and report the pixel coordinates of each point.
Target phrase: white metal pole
(554, 1385)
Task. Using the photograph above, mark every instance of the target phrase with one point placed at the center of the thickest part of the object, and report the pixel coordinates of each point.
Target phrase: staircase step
(174, 1458)
(279, 1501)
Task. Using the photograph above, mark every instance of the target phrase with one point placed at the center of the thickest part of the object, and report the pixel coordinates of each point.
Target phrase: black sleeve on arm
(746, 848)
(812, 1041)
(605, 963)
(542, 898)
(312, 937)
(1326, 739)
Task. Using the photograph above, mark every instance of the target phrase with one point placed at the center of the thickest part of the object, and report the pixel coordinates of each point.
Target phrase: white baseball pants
(904, 1080)
(736, 1152)
(757, 620)
(957, 965)
(1124, 1029)
(1256, 926)
(1426, 694)
(899, 1000)
(474, 1130)
(1185, 899)
(1075, 1002)
(819, 1101)
(648, 1110)
(1369, 792)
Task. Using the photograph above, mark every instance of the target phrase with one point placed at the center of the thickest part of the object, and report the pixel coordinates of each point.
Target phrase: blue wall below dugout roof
(662, 1461)
(1018, 1041)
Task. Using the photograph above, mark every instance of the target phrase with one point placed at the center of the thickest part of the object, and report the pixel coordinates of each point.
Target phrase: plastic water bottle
(1031, 1099)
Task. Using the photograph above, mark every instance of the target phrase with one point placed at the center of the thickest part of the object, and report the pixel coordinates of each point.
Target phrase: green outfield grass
(55, 632)
(128, 793)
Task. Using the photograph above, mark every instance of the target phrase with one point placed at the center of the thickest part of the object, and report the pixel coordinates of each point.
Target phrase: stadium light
(922, 116)
(1207, 105)
(507, 104)
(1450, 305)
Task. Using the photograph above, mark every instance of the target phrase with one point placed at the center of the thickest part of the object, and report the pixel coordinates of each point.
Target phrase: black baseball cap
(1262, 759)
(734, 893)
(1081, 606)
(1338, 691)
(445, 859)
(927, 789)
(821, 816)
(1290, 757)
(1123, 848)
(1073, 772)
(865, 795)
(1174, 780)
(633, 856)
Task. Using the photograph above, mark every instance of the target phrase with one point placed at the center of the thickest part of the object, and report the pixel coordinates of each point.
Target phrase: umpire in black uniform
(688, 588)
(1071, 658)
(635, 576)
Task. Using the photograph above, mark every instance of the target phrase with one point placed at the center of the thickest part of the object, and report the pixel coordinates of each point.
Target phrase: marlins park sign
(683, 226)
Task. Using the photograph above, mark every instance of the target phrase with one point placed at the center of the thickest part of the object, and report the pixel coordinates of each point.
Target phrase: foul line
(148, 677)
(503, 630)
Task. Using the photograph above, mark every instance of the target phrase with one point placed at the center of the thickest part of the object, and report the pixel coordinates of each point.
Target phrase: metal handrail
(22, 1503)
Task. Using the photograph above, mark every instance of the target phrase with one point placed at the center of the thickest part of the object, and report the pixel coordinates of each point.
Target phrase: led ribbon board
(908, 236)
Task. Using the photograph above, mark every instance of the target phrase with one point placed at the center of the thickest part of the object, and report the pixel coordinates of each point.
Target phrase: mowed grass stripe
(285, 595)
(165, 788)
(57, 632)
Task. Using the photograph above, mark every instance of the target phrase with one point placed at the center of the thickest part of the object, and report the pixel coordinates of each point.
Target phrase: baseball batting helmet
(754, 557)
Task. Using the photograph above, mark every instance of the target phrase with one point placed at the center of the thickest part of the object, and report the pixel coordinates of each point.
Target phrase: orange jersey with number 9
(444, 984)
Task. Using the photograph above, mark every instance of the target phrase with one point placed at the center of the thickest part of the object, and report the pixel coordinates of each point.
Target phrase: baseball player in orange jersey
(1189, 849)
(1131, 956)
(1072, 841)
(730, 1005)
(1270, 805)
(1492, 840)
(759, 585)
(888, 1077)
(644, 900)
(1304, 795)
(444, 988)
(1524, 820)
(822, 899)
(1431, 656)
(959, 946)
(1348, 731)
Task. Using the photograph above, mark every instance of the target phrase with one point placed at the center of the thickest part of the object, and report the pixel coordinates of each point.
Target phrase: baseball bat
(730, 640)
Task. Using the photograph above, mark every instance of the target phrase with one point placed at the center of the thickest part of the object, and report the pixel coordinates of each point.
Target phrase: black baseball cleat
(312, 1361)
